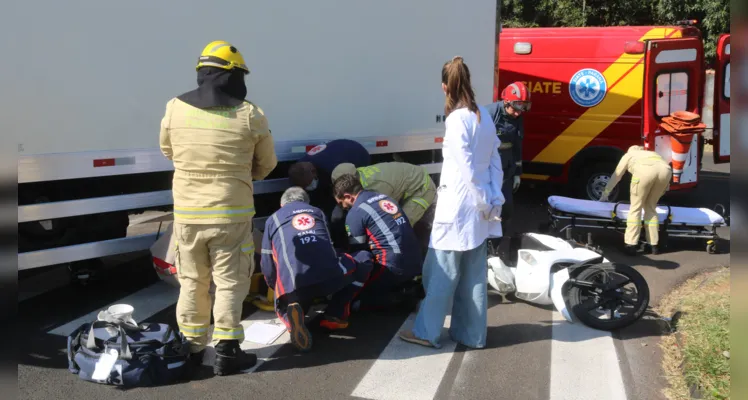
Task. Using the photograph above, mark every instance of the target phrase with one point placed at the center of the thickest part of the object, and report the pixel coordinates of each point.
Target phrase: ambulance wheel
(594, 178)
(608, 296)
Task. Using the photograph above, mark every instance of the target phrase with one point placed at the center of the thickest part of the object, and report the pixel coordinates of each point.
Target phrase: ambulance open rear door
(673, 78)
(721, 112)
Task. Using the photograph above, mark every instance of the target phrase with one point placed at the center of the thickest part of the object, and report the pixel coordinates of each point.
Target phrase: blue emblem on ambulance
(588, 87)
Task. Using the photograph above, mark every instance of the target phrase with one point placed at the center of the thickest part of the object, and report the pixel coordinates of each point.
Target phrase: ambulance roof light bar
(688, 22)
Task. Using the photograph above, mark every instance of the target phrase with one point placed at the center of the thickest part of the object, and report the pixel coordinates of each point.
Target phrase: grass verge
(696, 357)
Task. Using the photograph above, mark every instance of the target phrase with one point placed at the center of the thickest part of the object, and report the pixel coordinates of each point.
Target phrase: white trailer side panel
(93, 76)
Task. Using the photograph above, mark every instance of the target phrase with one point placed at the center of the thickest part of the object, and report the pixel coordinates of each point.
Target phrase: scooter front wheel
(608, 296)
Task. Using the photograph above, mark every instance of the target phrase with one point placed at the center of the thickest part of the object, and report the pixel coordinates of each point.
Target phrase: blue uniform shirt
(510, 130)
(326, 157)
(376, 220)
(297, 251)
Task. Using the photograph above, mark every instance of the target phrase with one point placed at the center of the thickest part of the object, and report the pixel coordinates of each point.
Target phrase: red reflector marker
(382, 143)
(310, 146)
(439, 140)
(634, 48)
(103, 162)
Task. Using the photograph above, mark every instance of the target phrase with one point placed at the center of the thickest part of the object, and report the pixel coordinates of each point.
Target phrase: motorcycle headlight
(528, 258)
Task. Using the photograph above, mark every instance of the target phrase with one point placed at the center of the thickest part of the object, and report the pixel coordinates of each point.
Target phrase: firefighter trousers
(507, 190)
(224, 253)
(647, 187)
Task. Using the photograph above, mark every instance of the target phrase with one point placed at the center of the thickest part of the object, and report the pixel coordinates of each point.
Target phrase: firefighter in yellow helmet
(219, 142)
(650, 179)
(406, 183)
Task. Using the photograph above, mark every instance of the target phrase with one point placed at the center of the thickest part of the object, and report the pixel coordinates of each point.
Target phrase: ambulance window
(672, 93)
(726, 87)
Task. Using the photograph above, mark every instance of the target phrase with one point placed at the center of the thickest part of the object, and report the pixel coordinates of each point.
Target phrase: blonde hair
(456, 77)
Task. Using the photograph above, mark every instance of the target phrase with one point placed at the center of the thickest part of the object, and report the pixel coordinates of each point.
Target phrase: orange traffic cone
(681, 125)
(680, 144)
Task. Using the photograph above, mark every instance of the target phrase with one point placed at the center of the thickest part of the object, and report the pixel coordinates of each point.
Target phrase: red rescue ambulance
(597, 91)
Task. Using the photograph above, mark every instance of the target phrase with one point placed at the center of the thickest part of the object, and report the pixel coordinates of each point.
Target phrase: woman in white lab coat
(467, 214)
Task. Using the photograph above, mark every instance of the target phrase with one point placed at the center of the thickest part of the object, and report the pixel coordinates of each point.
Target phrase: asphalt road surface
(531, 353)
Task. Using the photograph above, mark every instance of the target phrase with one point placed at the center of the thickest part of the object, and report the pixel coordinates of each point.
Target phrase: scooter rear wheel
(609, 295)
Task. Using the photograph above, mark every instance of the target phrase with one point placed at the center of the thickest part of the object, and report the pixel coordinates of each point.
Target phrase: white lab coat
(470, 182)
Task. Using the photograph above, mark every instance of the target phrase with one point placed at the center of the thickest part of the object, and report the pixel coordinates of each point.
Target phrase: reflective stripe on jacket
(403, 182)
(217, 152)
(297, 251)
(636, 161)
(376, 222)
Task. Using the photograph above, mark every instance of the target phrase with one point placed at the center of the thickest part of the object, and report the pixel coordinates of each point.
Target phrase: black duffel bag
(146, 355)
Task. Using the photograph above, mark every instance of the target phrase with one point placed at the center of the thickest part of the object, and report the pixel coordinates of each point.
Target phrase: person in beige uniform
(650, 179)
(409, 184)
(219, 143)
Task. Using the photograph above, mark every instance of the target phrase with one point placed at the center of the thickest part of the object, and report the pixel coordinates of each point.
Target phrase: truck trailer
(92, 80)
(596, 91)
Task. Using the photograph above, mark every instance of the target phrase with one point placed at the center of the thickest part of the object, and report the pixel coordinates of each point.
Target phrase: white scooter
(574, 277)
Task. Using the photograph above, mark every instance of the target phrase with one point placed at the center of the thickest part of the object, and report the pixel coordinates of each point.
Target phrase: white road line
(262, 351)
(147, 302)
(407, 371)
(584, 363)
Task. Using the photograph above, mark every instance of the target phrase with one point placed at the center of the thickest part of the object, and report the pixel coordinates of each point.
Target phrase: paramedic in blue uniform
(313, 172)
(300, 264)
(376, 223)
(507, 115)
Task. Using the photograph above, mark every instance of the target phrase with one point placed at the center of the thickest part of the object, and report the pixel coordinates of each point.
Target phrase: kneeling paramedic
(375, 222)
(410, 185)
(300, 264)
(312, 172)
(213, 201)
(650, 179)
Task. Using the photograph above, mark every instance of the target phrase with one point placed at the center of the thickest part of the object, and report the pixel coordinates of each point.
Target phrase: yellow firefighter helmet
(221, 54)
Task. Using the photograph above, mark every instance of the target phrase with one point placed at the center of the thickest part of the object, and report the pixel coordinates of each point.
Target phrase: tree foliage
(713, 15)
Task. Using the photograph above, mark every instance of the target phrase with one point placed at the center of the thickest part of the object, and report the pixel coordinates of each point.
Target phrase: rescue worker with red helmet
(219, 142)
(507, 115)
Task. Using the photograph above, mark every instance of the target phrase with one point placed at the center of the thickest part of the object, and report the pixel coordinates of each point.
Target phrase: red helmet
(517, 95)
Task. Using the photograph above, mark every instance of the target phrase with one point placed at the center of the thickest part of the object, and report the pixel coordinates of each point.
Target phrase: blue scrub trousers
(454, 281)
(343, 289)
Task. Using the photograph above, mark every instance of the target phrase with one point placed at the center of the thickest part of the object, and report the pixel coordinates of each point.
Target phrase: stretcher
(566, 214)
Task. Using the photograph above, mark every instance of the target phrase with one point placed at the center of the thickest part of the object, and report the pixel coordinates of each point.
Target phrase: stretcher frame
(561, 222)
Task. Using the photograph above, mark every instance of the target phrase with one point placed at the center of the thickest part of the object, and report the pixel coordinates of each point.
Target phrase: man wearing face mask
(313, 173)
(508, 118)
(219, 142)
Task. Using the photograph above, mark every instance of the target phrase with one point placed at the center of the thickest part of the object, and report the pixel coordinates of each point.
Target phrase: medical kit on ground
(114, 350)
(685, 222)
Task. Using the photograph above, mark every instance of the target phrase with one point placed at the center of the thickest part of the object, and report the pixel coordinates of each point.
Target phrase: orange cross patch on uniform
(303, 222)
(388, 206)
(316, 149)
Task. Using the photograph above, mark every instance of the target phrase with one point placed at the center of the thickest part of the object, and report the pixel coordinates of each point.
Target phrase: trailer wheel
(591, 182)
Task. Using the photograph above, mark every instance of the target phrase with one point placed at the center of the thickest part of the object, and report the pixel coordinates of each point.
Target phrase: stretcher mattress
(589, 208)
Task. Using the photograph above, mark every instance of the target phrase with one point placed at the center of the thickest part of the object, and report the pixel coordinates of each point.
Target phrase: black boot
(655, 249)
(230, 358)
(196, 359)
(631, 250)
